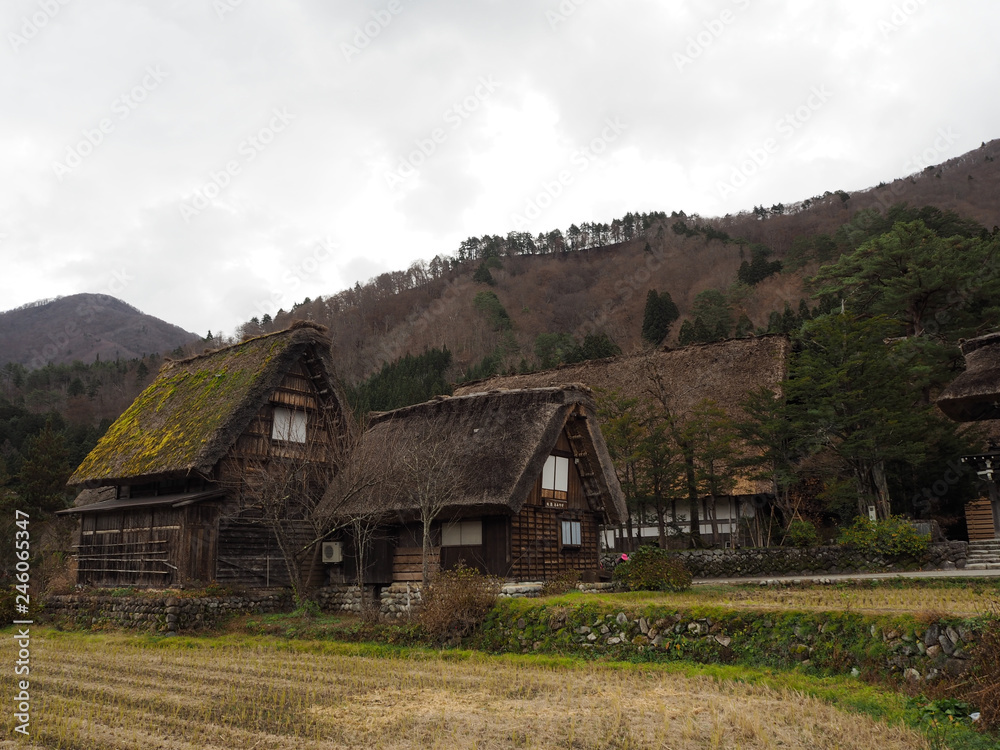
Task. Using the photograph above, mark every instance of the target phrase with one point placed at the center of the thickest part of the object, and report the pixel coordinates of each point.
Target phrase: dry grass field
(968, 598)
(103, 691)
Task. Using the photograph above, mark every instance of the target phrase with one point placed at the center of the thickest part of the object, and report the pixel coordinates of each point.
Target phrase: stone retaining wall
(841, 642)
(779, 561)
(166, 613)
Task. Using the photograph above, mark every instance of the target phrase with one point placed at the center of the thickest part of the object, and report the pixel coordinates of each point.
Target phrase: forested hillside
(520, 303)
(491, 300)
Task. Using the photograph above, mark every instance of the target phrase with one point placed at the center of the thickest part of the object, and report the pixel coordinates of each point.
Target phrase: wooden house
(725, 372)
(974, 396)
(522, 479)
(165, 500)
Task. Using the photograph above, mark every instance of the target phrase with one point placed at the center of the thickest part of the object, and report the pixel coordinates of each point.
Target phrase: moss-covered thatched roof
(975, 394)
(491, 445)
(190, 416)
(725, 372)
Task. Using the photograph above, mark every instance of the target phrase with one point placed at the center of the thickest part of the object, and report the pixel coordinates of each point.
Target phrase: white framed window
(571, 534)
(555, 474)
(462, 534)
(288, 425)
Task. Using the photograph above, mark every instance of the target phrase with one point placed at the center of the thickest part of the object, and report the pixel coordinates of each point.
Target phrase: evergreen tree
(852, 400)
(658, 317)
(483, 275)
(45, 470)
(594, 346)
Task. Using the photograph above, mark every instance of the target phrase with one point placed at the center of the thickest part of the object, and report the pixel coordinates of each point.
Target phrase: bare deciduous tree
(430, 479)
(299, 494)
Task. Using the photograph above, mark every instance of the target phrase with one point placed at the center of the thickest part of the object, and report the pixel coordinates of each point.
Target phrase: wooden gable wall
(248, 553)
(536, 549)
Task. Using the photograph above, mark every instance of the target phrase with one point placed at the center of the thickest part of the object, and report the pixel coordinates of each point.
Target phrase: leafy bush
(892, 536)
(801, 534)
(456, 601)
(653, 569)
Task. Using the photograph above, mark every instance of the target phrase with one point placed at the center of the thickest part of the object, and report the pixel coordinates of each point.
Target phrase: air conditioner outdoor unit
(333, 552)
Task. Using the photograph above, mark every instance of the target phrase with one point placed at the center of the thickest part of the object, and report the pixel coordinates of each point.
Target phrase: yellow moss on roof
(194, 410)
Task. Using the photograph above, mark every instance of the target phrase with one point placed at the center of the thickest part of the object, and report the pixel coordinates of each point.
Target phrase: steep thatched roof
(491, 445)
(189, 417)
(725, 372)
(975, 394)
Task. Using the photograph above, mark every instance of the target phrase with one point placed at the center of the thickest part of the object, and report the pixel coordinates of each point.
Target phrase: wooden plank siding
(979, 519)
(407, 563)
(132, 547)
(249, 555)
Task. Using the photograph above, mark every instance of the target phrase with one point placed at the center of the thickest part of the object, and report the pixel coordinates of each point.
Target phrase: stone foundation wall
(162, 613)
(780, 561)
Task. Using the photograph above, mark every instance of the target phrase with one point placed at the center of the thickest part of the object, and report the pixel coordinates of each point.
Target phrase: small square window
(288, 425)
(571, 534)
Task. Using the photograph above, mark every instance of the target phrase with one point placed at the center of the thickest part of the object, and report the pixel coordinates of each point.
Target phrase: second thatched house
(516, 483)
(169, 490)
(974, 396)
(724, 373)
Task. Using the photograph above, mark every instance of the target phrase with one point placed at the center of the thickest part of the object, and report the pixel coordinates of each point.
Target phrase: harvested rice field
(103, 691)
(963, 597)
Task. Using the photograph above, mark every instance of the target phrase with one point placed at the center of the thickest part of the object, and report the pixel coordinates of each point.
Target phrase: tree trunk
(712, 516)
(883, 502)
(692, 488)
(425, 570)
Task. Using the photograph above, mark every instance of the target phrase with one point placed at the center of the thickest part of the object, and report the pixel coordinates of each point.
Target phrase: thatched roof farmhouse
(523, 478)
(161, 499)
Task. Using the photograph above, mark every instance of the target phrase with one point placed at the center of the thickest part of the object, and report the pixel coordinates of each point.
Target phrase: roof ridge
(297, 325)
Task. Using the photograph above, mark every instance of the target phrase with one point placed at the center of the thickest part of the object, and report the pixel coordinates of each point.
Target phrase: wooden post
(995, 504)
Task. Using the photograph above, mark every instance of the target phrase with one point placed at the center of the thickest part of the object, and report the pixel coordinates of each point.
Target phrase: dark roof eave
(174, 501)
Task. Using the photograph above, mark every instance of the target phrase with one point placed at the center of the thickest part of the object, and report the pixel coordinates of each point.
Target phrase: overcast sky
(212, 160)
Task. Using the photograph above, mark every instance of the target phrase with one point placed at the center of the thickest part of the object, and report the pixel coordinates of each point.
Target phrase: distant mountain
(83, 327)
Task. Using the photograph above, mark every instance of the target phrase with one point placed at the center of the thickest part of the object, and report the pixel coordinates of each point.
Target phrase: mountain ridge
(83, 327)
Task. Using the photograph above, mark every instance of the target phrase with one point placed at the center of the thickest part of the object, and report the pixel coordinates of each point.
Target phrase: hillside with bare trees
(594, 278)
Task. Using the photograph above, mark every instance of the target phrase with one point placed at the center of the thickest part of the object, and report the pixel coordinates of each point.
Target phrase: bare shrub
(561, 583)
(456, 601)
(984, 690)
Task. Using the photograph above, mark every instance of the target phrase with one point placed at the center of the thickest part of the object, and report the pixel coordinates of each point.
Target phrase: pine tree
(45, 470)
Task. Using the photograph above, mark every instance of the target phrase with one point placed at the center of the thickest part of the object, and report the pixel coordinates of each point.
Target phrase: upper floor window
(288, 425)
(555, 478)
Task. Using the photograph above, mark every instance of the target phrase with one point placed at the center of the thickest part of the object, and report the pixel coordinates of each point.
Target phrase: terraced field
(104, 691)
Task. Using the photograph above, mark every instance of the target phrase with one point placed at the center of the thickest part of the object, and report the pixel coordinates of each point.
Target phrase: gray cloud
(698, 87)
